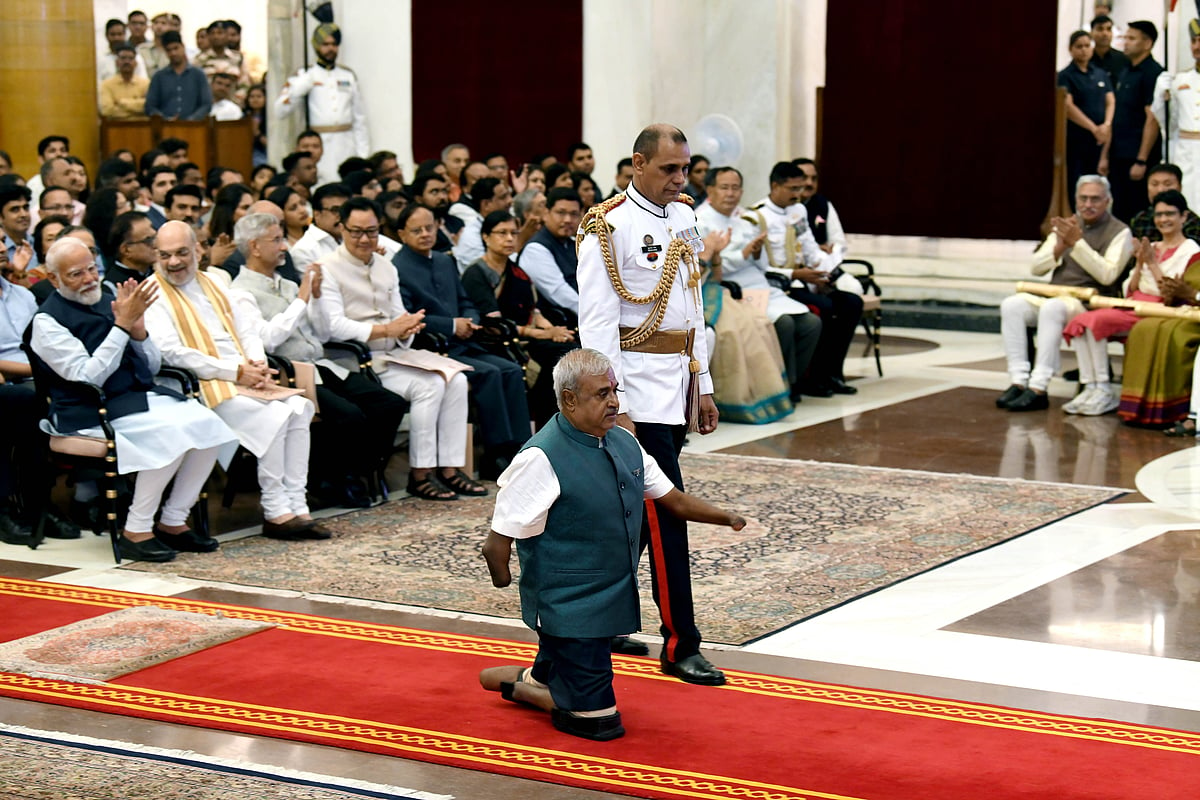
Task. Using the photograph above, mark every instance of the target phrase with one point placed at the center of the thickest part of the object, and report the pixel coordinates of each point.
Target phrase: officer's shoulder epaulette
(751, 219)
(594, 221)
(757, 206)
(686, 199)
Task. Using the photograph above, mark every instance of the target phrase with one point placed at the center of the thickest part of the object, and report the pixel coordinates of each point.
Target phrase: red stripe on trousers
(659, 565)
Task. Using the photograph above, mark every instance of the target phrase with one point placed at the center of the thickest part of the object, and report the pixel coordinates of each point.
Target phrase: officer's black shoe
(821, 389)
(694, 669)
(187, 542)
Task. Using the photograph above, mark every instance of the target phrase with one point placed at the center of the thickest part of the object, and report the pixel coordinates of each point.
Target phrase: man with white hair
(354, 408)
(160, 435)
(1087, 250)
(199, 328)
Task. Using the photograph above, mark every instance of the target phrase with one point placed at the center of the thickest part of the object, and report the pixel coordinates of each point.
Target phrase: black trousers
(666, 537)
(357, 428)
(840, 312)
(1129, 196)
(578, 672)
(498, 387)
(25, 474)
(799, 336)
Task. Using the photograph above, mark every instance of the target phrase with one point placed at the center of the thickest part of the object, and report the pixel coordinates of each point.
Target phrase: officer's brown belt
(660, 343)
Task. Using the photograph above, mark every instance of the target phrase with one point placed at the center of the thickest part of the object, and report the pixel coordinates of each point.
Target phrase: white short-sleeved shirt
(529, 487)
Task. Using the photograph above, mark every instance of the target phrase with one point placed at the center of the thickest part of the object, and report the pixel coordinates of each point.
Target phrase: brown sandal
(427, 489)
(461, 483)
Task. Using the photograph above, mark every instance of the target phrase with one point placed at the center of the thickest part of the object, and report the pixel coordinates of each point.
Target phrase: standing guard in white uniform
(640, 304)
(1179, 94)
(335, 106)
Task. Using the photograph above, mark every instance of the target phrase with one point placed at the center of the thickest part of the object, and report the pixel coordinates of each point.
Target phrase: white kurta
(256, 423)
(148, 440)
(749, 273)
(334, 100)
(652, 387)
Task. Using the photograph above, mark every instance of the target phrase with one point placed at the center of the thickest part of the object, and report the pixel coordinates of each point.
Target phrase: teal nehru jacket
(579, 577)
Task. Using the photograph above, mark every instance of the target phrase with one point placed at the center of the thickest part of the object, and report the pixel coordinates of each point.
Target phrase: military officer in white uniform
(1179, 94)
(639, 244)
(335, 106)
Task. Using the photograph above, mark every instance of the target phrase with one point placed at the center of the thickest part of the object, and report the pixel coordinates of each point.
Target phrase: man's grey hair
(59, 251)
(451, 147)
(48, 167)
(1098, 179)
(251, 227)
(576, 365)
(523, 202)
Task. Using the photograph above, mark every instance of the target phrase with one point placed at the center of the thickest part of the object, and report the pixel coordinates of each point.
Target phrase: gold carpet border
(748, 682)
(403, 739)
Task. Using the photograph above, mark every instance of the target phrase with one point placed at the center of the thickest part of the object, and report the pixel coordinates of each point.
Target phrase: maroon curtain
(939, 116)
(497, 77)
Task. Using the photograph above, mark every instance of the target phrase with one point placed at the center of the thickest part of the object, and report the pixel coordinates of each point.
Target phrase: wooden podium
(210, 143)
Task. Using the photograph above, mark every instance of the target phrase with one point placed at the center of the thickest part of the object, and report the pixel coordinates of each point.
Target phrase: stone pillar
(285, 55)
(48, 79)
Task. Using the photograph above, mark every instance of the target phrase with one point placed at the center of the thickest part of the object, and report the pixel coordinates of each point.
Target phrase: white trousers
(190, 470)
(1016, 314)
(1185, 154)
(283, 468)
(438, 417)
(1093, 358)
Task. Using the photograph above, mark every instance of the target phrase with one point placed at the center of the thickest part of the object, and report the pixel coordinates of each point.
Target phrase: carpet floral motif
(124, 641)
(818, 535)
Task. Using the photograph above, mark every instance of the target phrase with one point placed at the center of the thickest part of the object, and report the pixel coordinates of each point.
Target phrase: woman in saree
(1089, 332)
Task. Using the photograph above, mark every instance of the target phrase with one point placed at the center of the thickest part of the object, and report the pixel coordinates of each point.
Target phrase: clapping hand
(129, 308)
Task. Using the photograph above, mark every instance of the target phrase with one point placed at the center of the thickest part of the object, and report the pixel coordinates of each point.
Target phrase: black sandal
(1181, 430)
(427, 489)
(461, 483)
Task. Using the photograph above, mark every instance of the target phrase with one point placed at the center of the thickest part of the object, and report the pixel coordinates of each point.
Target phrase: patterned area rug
(40, 765)
(119, 643)
(817, 536)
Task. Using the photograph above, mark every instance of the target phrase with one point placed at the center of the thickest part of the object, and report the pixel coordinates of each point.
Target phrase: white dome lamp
(718, 138)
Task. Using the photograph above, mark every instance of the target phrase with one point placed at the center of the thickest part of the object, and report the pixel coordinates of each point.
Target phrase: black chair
(872, 317)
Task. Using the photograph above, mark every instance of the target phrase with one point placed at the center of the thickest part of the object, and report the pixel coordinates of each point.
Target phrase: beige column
(48, 79)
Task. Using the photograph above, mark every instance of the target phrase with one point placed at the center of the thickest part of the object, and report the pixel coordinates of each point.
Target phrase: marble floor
(1094, 615)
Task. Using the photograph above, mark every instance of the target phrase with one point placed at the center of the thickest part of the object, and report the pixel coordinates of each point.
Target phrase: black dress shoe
(1030, 401)
(149, 550)
(600, 729)
(1010, 394)
(317, 531)
(839, 386)
(187, 542)
(694, 669)
(58, 528)
(88, 515)
(12, 533)
(628, 647)
(817, 390)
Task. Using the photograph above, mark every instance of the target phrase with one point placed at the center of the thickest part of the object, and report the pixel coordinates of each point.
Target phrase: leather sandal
(1181, 429)
(427, 489)
(461, 483)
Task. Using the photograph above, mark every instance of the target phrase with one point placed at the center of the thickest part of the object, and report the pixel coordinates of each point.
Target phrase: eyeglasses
(76, 274)
(148, 241)
(422, 229)
(362, 233)
(63, 208)
(1165, 214)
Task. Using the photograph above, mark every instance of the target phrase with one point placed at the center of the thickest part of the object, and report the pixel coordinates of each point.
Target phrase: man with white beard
(199, 328)
(160, 434)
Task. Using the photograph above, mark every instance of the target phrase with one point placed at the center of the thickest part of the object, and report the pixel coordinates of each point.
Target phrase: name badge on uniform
(692, 237)
(343, 84)
(650, 247)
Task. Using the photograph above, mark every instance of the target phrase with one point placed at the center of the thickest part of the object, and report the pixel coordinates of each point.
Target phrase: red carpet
(415, 694)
